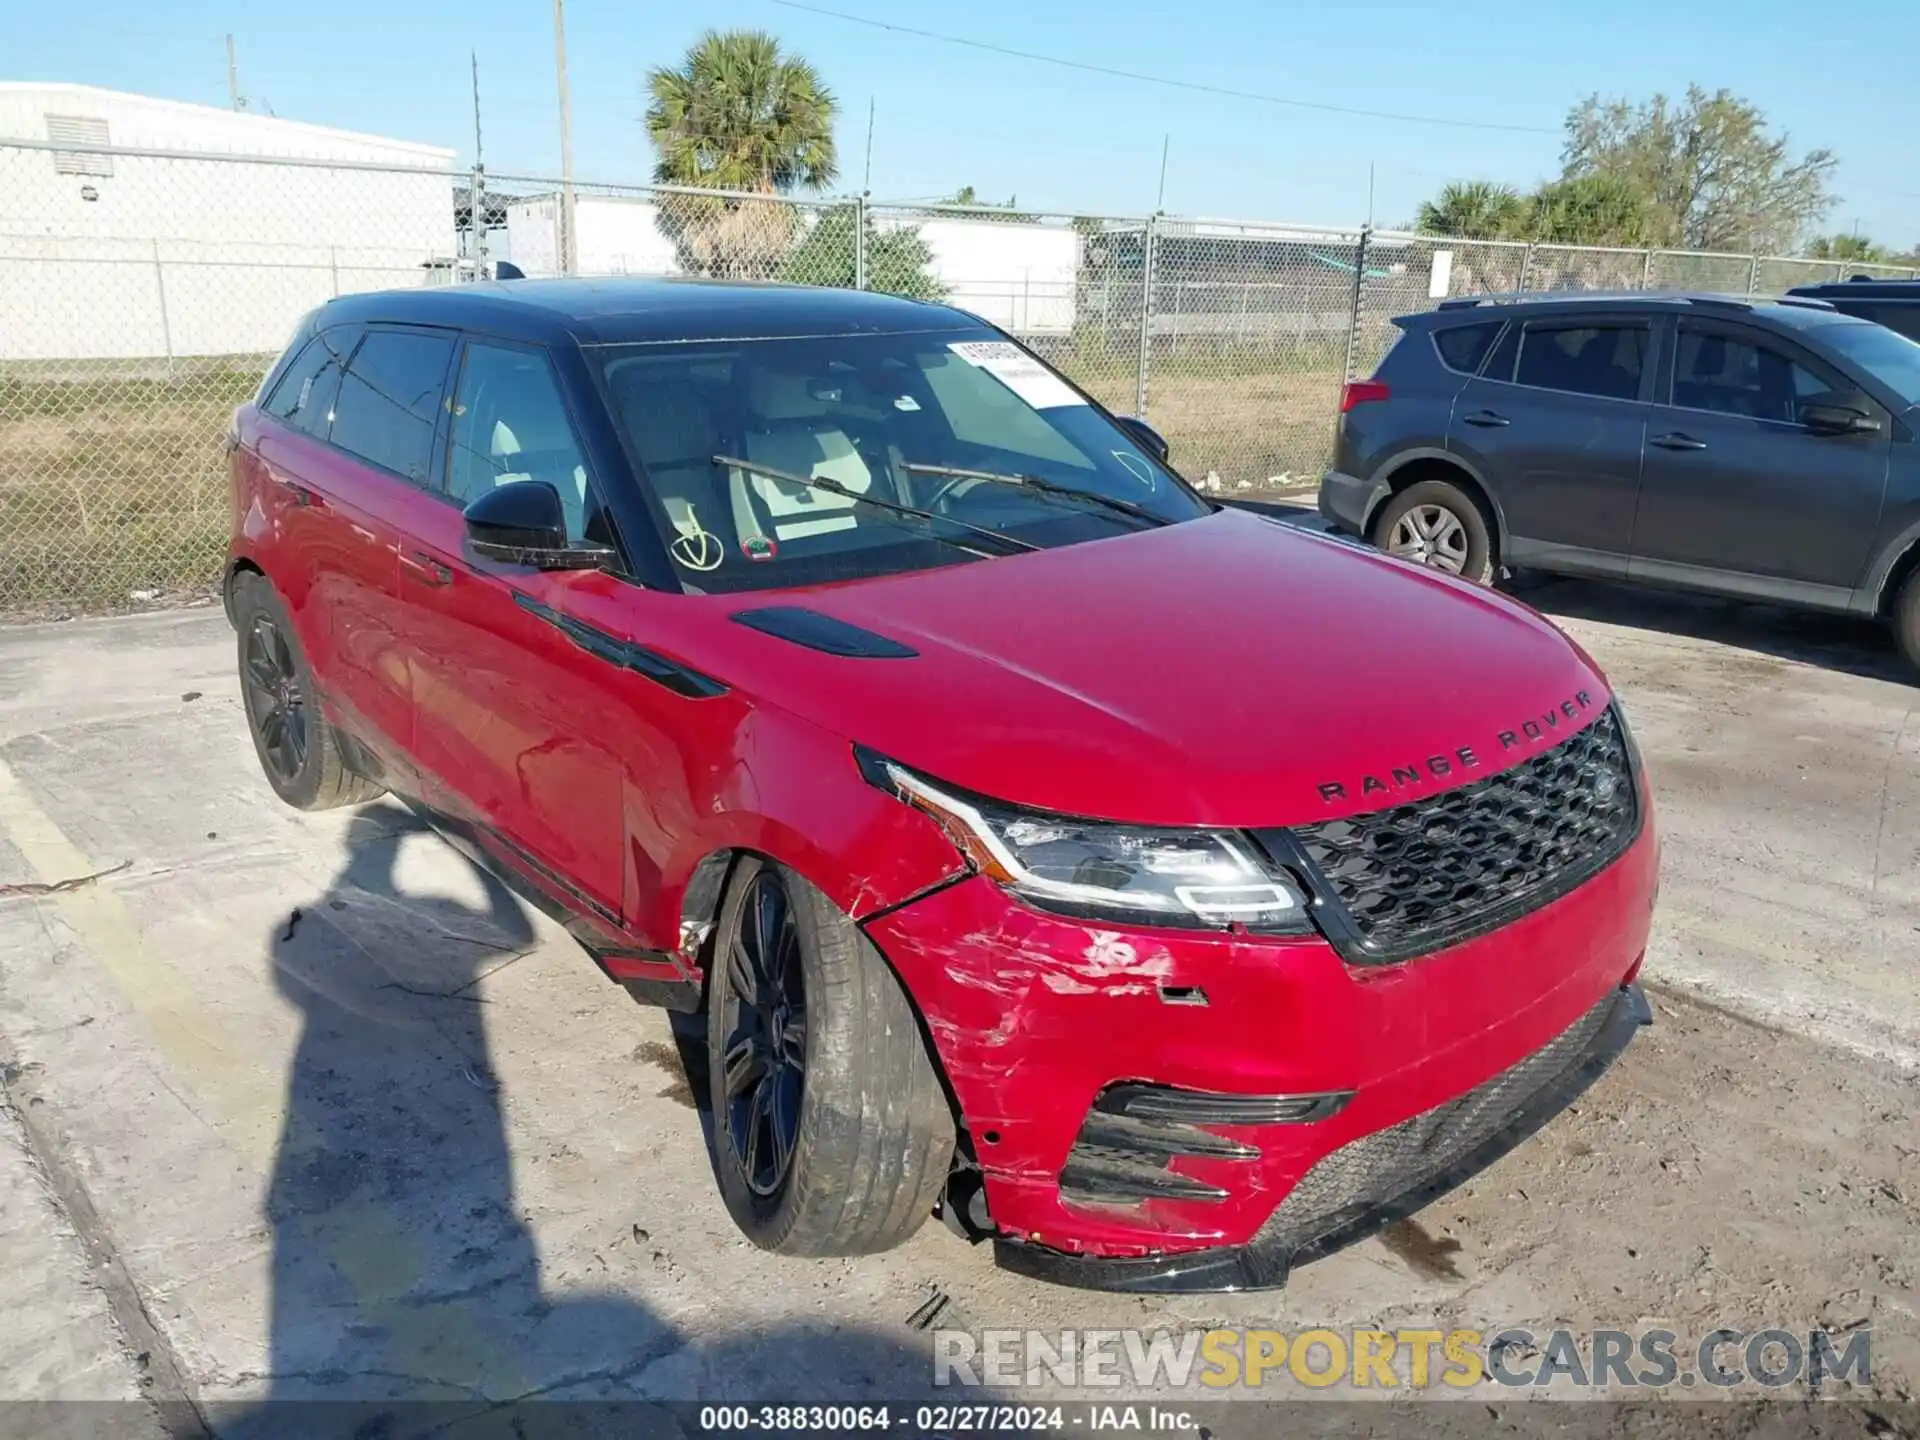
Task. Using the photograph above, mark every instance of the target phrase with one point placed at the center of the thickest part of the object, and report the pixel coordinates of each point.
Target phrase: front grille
(1435, 872)
(1368, 1173)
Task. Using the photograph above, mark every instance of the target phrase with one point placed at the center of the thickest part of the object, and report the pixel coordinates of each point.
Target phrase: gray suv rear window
(1463, 347)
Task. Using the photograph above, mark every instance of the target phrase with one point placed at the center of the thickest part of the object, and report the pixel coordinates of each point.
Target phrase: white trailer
(215, 247)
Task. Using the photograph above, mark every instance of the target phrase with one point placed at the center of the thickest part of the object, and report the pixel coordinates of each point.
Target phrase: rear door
(519, 727)
(1555, 425)
(299, 522)
(1739, 496)
(378, 461)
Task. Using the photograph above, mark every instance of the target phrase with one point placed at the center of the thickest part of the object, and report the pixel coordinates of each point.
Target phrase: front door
(1555, 424)
(1739, 496)
(519, 728)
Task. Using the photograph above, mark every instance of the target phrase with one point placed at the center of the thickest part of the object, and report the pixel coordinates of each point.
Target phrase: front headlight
(1094, 869)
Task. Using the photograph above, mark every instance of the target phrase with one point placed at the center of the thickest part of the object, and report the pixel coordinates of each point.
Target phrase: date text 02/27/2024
(986, 1419)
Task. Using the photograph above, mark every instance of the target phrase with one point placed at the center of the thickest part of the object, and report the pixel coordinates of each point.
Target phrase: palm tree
(1473, 210)
(739, 114)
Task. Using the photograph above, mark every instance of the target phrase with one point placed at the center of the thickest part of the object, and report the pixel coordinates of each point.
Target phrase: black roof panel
(627, 310)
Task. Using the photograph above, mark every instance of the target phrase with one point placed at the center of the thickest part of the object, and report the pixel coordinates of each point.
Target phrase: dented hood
(1224, 671)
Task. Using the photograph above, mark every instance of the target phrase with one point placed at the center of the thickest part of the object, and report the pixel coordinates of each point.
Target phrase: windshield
(1891, 359)
(945, 422)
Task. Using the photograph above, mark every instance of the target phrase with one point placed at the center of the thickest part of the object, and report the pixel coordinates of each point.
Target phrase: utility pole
(233, 78)
(866, 180)
(569, 253)
(477, 189)
(1160, 200)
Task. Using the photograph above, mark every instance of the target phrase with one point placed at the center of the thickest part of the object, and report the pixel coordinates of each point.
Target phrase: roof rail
(1590, 297)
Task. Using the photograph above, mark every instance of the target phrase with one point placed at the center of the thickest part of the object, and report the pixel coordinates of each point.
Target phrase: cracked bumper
(1034, 1016)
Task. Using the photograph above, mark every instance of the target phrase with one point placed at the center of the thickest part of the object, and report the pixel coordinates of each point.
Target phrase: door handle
(1487, 419)
(426, 570)
(1677, 441)
(299, 493)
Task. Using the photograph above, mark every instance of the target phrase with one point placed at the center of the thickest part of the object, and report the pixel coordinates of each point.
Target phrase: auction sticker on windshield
(1019, 372)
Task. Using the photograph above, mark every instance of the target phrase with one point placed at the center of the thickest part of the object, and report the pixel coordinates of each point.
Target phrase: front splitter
(1265, 1265)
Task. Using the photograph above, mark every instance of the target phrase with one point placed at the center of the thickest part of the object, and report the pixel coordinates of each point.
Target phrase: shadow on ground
(1842, 643)
(1832, 642)
(406, 1286)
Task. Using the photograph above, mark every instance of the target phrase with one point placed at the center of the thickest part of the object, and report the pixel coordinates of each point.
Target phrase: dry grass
(113, 484)
(114, 488)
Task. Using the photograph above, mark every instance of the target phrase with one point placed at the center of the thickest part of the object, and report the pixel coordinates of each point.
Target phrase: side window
(1732, 374)
(1500, 367)
(510, 424)
(1463, 347)
(390, 399)
(305, 394)
(1604, 360)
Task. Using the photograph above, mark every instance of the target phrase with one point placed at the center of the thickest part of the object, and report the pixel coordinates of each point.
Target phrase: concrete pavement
(359, 1125)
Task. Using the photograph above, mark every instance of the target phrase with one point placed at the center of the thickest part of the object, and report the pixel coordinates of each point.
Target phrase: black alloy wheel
(276, 701)
(765, 1023)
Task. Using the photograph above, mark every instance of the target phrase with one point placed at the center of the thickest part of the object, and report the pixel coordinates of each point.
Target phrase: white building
(1016, 274)
(213, 248)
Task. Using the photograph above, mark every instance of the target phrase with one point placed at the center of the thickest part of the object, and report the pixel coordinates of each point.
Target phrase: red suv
(1161, 892)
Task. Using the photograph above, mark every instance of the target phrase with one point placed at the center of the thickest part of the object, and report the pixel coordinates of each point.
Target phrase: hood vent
(822, 632)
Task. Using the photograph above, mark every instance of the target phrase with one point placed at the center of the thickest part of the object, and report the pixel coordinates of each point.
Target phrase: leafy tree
(738, 113)
(1846, 247)
(1713, 174)
(1589, 210)
(898, 260)
(966, 195)
(1473, 210)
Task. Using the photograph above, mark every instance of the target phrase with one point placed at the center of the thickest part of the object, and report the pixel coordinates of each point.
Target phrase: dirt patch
(665, 1057)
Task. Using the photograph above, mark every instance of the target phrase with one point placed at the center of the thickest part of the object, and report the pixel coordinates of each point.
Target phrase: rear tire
(1437, 524)
(837, 1141)
(298, 751)
(1906, 619)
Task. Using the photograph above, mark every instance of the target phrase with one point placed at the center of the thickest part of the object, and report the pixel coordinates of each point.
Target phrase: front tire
(298, 751)
(832, 1132)
(1437, 524)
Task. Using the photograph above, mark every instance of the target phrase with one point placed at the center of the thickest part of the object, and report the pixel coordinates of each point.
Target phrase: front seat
(674, 430)
(537, 444)
(792, 431)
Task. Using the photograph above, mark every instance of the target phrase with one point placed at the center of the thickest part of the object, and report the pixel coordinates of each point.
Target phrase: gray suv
(1760, 449)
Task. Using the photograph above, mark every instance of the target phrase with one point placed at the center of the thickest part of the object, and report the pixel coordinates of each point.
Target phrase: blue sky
(1057, 139)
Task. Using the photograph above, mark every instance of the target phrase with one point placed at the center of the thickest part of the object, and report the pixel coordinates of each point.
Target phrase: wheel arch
(700, 907)
(230, 577)
(1414, 466)
(1891, 571)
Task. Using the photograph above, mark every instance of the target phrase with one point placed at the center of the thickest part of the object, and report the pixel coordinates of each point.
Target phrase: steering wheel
(956, 482)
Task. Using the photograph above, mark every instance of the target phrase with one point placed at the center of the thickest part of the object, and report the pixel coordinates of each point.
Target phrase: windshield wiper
(891, 507)
(1044, 487)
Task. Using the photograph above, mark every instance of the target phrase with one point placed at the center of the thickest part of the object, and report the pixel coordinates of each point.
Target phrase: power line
(1164, 80)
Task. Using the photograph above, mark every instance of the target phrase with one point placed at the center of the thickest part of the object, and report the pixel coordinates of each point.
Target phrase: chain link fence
(143, 294)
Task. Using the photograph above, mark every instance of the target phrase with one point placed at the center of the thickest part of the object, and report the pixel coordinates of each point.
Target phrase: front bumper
(1370, 1183)
(1347, 502)
(1037, 1017)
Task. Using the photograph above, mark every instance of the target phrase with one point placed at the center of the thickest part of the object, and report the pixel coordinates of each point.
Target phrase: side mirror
(523, 523)
(1839, 412)
(1145, 436)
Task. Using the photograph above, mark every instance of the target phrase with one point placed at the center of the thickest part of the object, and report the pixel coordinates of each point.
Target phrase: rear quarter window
(1462, 348)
